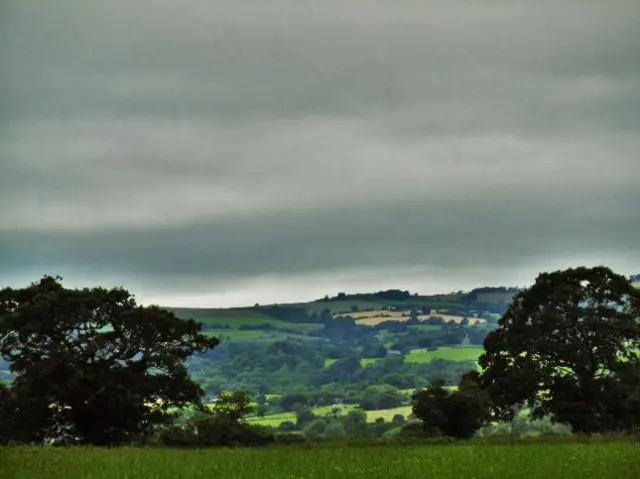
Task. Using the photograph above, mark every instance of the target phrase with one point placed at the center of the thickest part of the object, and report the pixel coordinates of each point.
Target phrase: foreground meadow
(595, 460)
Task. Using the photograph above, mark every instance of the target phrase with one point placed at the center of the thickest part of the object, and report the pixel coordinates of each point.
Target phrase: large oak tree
(568, 347)
(92, 363)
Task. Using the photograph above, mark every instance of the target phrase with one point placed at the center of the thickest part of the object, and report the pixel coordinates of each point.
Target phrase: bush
(288, 426)
(216, 431)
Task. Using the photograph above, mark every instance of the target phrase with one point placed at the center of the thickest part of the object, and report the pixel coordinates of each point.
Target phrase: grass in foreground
(599, 460)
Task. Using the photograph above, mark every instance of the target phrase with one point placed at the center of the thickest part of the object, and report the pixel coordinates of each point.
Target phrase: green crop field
(387, 414)
(457, 353)
(274, 420)
(454, 353)
(235, 323)
(235, 318)
(337, 307)
(618, 460)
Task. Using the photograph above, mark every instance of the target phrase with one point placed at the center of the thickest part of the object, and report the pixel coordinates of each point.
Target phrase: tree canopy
(92, 363)
(456, 414)
(568, 347)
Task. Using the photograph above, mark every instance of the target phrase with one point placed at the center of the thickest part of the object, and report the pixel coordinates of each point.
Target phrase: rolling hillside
(367, 309)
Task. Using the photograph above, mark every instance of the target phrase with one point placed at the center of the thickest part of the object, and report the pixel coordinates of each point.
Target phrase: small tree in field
(456, 414)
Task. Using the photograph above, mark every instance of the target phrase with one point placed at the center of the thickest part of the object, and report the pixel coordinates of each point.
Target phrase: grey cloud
(450, 234)
(230, 139)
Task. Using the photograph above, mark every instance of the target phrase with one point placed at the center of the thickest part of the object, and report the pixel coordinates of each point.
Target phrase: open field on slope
(456, 353)
(235, 318)
(449, 353)
(387, 414)
(274, 420)
(372, 318)
(529, 461)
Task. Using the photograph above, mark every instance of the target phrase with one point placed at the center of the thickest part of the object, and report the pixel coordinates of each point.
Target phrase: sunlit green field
(545, 461)
(453, 353)
(456, 353)
(387, 414)
(274, 420)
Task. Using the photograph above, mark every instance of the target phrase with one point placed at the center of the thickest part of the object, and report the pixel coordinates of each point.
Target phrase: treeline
(93, 367)
(388, 295)
(294, 365)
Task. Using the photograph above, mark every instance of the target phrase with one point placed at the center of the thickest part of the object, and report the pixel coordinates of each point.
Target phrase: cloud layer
(276, 149)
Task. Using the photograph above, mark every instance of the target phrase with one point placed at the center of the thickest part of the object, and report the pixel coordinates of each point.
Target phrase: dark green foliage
(304, 416)
(324, 428)
(381, 397)
(288, 426)
(414, 431)
(223, 426)
(216, 430)
(233, 405)
(355, 424)
(456, 414)
(568, 346)
(92, 364)
(290, 438)
(291, 401)
(398, 420)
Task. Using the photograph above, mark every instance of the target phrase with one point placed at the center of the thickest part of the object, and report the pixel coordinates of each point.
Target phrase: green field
(387, 414)
(618, 460)
(457, 353)
(274, 420)
(235, 318)
(453, 353)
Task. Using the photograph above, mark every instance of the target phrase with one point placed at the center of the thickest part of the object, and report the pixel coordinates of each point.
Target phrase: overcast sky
(227, 152)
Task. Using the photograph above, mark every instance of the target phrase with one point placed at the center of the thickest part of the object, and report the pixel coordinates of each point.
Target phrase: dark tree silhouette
(92, 363)
(456, 414)
(568, 346)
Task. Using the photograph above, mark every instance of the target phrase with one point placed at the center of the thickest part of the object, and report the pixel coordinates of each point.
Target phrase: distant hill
(304, 317)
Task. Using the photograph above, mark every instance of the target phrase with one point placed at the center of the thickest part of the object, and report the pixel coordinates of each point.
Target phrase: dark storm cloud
(215, 141)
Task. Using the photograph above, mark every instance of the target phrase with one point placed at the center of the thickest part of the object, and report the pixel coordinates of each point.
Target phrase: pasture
(236, 318)
(373, 318)
(455, 353)
(492, 461)
(449, 353)
(274, 420)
